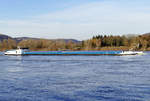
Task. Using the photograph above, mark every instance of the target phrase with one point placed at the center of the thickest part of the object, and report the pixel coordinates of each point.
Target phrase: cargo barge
(25, 51)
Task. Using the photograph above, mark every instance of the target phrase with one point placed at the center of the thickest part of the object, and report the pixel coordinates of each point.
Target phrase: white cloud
(84, 21)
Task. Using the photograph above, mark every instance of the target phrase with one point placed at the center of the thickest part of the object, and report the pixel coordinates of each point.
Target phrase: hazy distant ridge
(18, 39)
(2, 37)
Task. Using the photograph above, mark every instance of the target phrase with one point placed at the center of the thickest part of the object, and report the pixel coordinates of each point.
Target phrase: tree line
(98, 42)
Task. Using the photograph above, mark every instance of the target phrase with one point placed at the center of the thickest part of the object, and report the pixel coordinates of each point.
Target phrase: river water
(75, 78)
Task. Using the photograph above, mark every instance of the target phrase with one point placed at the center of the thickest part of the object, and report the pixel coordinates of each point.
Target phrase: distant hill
(147, 34)
(18, 39)
(67, 40)
(2, 37)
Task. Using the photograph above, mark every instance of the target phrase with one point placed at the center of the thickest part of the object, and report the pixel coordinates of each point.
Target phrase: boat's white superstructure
(18, 51)
(131, 53)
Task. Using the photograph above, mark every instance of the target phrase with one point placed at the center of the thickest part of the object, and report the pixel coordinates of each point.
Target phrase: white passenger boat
(19, 51)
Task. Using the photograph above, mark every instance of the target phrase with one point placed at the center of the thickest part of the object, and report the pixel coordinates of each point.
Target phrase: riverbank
(99, 42)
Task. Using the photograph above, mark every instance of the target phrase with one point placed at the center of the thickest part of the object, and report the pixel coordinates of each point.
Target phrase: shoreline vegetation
(99, 42)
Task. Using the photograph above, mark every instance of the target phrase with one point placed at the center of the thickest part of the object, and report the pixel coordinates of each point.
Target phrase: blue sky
(79, 19)
(25, 8)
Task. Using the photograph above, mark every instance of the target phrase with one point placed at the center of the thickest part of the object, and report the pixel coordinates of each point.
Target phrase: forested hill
(99, 42)
(7, 42)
